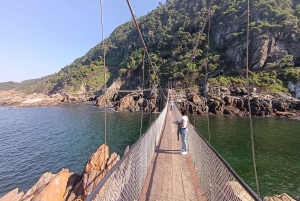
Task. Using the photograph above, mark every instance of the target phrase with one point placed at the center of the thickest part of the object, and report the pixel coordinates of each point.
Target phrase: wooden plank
(171, 176)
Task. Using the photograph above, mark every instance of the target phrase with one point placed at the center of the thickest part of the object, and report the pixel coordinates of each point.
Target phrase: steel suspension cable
(206, 77)
(198, 42)
(142, 116)
(102, 27)
(248, 88)
(142, 39)
(144, 45)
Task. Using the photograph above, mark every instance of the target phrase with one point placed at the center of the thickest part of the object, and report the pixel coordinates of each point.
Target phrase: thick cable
(248, 88)
(142, 109)
(195, 117)
(206, 77)
(102, 27)
(142, 39)
(198, 42)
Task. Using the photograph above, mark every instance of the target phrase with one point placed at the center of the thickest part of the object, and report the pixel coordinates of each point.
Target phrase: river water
(40, 139)
(277, 150)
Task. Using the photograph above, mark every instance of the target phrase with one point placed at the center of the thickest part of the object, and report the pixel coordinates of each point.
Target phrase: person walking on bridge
(183, 130)
(171, 103)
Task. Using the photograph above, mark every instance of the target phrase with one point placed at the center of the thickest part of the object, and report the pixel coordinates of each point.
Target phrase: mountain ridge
(171, 32)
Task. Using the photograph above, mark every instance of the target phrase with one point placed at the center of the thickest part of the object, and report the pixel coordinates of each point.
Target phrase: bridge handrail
(218, 179)
(126, 178)
(134, 90)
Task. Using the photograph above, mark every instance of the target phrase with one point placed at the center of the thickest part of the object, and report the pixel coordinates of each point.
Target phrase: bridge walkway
(171, 176)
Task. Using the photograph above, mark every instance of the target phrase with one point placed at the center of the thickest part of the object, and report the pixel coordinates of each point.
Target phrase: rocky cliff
(274, 34)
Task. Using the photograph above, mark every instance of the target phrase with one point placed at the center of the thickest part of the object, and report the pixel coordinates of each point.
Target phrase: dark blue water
(277, 149)
(40, 139)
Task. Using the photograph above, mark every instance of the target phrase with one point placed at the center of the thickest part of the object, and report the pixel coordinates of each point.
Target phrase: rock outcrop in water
(68, 186)
(281, 197)
(136, 102)
(19, 99)
(96, 167)
(234, 101)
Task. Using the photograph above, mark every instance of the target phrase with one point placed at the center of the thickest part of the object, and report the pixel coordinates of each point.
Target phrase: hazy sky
(38, 37)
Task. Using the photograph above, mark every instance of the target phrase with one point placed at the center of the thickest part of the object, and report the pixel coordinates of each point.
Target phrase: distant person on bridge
(171, 103)
(183, 130)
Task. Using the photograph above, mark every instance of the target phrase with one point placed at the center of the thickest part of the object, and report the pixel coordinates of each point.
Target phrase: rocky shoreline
(14, 98)
(219, 101)
(234, 101)
(69, 186)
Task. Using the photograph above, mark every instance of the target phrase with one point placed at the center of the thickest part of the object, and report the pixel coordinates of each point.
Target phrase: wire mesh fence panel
(217, 178)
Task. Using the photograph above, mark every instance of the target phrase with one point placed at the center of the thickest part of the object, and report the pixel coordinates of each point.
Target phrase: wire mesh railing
(126, 179)
(219, 181)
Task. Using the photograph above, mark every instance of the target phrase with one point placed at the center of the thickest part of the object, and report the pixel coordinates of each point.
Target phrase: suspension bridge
(133, 91)
(154, 169)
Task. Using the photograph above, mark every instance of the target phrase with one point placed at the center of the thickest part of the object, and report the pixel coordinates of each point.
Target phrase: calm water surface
(40, 139)
(277, 149)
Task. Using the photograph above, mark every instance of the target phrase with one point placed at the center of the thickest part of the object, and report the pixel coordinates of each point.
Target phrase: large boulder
(13, 195)
(231, 110)
(55, 189)
(74, 189)
(255, 106)
(38, 187)
(228, 100)
(96, 168)
(239, 103)
(280, 105)
(99, 101)
(215, 106)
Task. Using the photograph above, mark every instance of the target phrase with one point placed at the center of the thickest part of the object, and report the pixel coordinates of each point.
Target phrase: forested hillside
(18, 85)
(171, 33)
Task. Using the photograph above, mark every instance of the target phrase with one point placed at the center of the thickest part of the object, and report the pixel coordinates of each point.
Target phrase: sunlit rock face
(12, 195)
(97, 166)
(55, 189)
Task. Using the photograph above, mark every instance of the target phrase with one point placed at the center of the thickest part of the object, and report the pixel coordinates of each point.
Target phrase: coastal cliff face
(274, 34)
(266, 51)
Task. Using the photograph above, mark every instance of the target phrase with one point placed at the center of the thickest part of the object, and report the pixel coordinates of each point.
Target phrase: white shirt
(185, 118)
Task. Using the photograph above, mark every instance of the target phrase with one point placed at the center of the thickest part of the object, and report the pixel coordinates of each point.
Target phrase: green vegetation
(171, 33)
(18, 85)
(274, 81)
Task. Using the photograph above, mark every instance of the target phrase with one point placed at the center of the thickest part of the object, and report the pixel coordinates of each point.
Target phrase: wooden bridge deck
(171, 176)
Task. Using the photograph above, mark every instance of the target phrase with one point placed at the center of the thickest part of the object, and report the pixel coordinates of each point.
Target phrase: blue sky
(38, 38)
